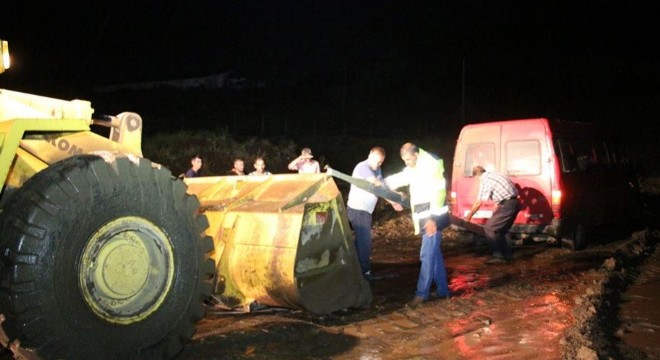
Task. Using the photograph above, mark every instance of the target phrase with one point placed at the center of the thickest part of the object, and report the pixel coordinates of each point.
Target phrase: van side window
(581, 155)
(618, 157)
(479, 154)
(602, 157)
(584, 153)
(612, 154)
(566, 156)
(523, 157)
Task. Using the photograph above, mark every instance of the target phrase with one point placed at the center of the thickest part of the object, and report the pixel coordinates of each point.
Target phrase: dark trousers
(499, 224)
(361, 223)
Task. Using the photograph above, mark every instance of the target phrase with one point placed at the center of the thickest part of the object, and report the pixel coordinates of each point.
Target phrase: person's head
(478, 170)
(239, 165)
(196, 162)
(259, 164)
(306, 154)
(409, 153)
(376, 157)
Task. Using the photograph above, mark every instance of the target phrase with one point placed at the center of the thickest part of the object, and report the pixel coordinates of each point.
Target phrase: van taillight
(556, 203)
(452, 202)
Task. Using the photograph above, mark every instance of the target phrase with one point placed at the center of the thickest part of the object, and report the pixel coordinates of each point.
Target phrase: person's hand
(430, 227)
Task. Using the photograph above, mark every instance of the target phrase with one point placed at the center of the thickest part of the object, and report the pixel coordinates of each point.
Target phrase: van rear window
(523, 157)
(479, 154)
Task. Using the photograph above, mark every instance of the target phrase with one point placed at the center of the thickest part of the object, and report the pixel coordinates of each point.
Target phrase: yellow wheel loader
(106, 255)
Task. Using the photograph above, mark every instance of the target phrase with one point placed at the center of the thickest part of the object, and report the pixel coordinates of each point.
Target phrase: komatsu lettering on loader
(106, 255)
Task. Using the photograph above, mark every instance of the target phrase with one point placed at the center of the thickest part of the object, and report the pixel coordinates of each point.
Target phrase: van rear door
(527, 159)
(477, 144)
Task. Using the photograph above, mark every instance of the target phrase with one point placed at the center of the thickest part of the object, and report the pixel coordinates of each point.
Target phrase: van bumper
(538, 232)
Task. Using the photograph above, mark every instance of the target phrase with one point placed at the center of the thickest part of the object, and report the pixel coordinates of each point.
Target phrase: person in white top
(361, 205)
(260, 167)
(304, 164)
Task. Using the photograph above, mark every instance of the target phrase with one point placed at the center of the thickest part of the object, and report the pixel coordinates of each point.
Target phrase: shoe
(369, 276)
(414, 303)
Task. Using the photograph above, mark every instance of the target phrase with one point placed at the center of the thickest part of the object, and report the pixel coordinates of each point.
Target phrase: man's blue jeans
(433, 264)
(361, 222)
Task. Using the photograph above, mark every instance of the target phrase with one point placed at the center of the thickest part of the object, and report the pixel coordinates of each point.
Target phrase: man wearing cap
(304, 163)
(424, 174)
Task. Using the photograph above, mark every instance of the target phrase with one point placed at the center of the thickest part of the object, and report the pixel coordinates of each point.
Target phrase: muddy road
(550, 303)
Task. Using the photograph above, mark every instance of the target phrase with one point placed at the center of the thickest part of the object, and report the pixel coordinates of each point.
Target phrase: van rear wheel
(578, 238)
(103, 260)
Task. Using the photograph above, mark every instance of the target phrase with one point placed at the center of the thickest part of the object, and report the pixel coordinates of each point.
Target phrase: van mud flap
(281, 241)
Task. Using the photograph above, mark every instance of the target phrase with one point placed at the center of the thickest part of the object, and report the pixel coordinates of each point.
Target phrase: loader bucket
(282, 241)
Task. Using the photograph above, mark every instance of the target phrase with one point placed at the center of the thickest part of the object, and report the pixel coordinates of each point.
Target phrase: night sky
(370, 65)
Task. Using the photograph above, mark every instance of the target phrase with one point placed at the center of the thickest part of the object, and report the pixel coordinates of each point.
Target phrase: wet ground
(550, 303)
(639, 313)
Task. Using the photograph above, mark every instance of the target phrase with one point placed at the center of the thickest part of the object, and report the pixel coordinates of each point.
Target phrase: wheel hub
(126, 270)
(125, 266)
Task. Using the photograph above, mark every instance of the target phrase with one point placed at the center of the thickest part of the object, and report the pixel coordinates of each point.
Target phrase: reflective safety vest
(427, 187)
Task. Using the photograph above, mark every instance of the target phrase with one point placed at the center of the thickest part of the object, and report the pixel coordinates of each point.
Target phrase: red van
(571, 177)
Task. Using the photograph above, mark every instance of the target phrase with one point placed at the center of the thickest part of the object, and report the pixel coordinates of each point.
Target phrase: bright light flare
(4, 50)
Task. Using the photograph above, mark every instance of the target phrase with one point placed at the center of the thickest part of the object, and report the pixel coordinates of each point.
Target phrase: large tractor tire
(103, 260)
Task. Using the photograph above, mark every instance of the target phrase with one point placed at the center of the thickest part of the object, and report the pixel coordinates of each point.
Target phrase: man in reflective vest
(424, 176)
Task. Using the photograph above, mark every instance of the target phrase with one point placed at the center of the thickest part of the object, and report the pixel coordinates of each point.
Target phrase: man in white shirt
(361, 205)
